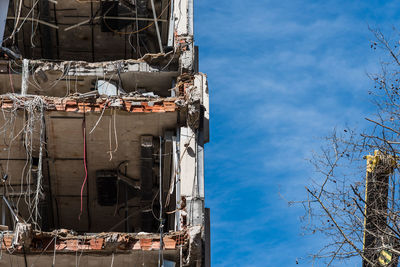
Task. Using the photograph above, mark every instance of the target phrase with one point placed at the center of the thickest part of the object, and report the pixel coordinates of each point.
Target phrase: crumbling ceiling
(89, 30)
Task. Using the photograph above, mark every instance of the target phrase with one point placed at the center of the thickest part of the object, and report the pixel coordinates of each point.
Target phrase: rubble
(66, 241)
(85, 105)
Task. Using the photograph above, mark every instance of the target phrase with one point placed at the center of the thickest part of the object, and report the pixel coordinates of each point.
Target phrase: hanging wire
(112, 126)
(43, 251)
(137, 31)
(55, 249)
(112, 260)
(39, 187)
(33, 116)
(85, 165)
(17, 29)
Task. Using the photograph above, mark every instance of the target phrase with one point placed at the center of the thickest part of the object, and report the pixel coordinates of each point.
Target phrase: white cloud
(282, 75)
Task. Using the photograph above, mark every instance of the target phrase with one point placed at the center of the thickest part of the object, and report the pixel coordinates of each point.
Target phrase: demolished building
(104, 117)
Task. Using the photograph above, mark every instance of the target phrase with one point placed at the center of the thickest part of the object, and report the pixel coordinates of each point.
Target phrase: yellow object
(385, 257)
(373, 160)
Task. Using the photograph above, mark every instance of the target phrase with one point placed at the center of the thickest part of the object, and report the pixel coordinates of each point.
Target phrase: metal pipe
(178, 180)
(200, 163)
(3, 214)
(160, 256)
(25, 77)
(171, 29)
(3, 206)
(11, 209)
(157, 29)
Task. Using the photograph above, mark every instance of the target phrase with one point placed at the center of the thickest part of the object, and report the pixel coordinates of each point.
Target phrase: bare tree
(354, 198)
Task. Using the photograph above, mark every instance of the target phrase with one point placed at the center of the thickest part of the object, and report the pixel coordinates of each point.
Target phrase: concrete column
(183, 14)
(181, 8)
(200, 82)
(192, 159)
(207, 234)
(191, 185)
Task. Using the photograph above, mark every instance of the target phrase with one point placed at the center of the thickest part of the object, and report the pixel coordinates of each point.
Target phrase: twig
(338, 227)
(384, 126)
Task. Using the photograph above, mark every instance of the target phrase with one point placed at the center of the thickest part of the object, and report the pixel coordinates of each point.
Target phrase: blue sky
(282, 75)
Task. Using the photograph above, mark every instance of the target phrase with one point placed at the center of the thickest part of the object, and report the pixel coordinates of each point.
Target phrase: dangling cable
(112, 260)
(84, 163)
(39, 186)
(55, 248)
(10, 76)
(112, 119)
